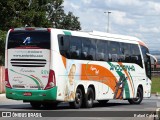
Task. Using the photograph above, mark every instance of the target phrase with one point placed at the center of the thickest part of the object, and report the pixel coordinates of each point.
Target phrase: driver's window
(147, 61)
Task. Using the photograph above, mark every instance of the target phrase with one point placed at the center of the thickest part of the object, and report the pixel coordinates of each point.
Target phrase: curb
(2, 95)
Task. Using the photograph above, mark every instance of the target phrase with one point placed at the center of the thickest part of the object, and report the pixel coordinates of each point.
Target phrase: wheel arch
(139, 86)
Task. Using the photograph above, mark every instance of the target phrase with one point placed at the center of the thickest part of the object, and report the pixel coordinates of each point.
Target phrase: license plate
(27, 94)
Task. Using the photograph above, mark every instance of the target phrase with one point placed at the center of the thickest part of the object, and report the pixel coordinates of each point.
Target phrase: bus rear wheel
(78, 99)
(35, 104)
(138, 98)
(89, 98)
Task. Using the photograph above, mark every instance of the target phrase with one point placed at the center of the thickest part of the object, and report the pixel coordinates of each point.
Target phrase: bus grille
(28, 62)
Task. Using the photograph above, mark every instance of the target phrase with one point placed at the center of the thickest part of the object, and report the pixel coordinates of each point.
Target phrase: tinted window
(102, 50)
(88, 49)
(75, 47)
(114, 51)
(64, 42)
(124, 52)
(135, 55)
(147, 61)
(37, 39)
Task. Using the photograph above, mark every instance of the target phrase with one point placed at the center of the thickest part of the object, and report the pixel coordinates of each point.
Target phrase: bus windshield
(33, 39)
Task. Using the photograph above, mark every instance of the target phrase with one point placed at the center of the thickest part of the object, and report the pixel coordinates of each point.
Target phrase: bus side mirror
(62, 41)
(154, 63)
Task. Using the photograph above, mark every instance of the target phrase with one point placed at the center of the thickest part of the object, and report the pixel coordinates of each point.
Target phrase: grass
(155, 84)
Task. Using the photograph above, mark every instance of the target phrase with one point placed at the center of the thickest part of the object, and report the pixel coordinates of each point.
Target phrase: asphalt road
(64, 112)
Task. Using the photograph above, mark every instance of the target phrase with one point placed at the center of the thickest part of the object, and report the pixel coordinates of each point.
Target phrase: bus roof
(98, 34)
(105, 35)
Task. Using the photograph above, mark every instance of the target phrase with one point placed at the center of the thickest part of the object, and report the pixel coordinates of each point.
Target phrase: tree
(38, 13)
(59, 19)
(2, 46)
(71, 22)
(19, 13)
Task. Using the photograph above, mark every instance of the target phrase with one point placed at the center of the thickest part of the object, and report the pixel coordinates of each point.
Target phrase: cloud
(74, 6)
(149, 30)
(86, 1)
(154, 8)
(123, 2)
(138, 18)
(121, 18)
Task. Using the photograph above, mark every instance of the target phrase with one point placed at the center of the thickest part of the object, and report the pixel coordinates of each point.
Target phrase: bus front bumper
(36, 95)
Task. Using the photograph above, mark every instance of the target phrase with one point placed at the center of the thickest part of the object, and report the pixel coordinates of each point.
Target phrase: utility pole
(108, 20)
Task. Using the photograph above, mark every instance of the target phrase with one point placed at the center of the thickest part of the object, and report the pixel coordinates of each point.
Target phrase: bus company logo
(122, 67)
(6, 114)
(27, 40)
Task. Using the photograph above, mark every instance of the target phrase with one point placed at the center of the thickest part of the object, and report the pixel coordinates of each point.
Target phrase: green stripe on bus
(132, 82)
(67, 32)
(37, 95)
(126, 87)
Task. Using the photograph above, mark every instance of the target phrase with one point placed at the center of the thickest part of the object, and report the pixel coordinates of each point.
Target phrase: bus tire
(35, 104)
(78, 99)
(139, 98)
(102, 102)
(89, 98)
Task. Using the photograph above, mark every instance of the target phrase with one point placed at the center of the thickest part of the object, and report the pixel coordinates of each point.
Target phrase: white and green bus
(46, 66)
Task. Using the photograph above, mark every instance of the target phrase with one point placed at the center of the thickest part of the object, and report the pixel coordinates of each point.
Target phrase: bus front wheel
(138, 98)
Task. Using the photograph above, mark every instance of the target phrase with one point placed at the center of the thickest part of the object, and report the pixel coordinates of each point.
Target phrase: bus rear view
(27, 65)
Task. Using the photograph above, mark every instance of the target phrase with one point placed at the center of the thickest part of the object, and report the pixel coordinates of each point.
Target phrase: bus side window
(84, 53)
(114, 51)
(88, 49)
(62, 41)
(125, 52)
(92, 50)
(75, 47)
(135, 55)
(102, 50)
(64, 45)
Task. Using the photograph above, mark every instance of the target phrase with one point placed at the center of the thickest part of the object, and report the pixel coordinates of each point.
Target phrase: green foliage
(19, 13)
(2, 46)
(59, 19)
(71, 22)
(38, 13)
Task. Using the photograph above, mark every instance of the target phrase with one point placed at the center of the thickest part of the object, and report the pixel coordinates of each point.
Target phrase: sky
(138, 18)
